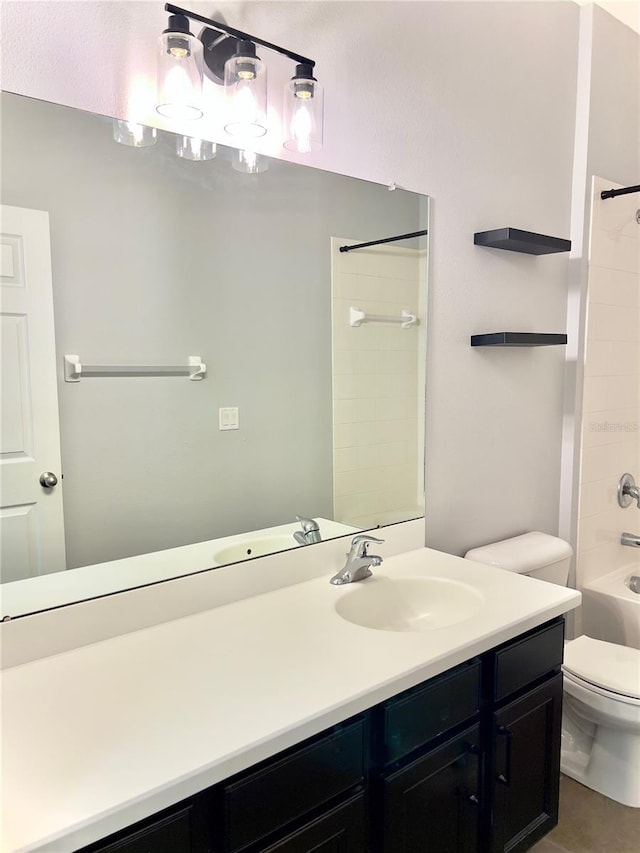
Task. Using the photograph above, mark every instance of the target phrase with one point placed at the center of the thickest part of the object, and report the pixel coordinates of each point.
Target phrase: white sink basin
(409, 604)
(254, 548)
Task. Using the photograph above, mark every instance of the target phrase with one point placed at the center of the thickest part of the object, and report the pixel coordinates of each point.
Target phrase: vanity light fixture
(303, 111)
(190, 148)
(245, 84)
(133, 134)
(180, 67)
(230, 59)
(249, 162)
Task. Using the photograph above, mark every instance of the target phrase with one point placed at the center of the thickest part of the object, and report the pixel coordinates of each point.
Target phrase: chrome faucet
(359, 561)
(310, 531)
(632, 539)
(628, 492)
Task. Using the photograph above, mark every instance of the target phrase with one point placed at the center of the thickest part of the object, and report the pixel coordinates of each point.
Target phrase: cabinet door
(431, 806)
(342, 830)
(526, 772)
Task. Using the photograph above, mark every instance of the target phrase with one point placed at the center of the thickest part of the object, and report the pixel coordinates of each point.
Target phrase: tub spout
(632, 539)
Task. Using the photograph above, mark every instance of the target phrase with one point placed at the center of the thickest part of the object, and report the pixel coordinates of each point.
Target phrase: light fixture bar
(216, 25)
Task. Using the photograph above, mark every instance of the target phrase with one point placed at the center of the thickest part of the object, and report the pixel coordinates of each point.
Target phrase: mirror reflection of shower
(379, 354)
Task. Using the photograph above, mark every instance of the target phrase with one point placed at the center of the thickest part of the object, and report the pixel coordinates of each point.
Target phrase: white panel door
(31, 520)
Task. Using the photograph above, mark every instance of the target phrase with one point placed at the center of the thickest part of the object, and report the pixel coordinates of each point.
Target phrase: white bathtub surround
(137, 693)
(611, 609)
(378, 409)
(611, 405)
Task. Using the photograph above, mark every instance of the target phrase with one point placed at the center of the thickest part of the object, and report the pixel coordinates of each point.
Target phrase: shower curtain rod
(384, 240)
(622, 191)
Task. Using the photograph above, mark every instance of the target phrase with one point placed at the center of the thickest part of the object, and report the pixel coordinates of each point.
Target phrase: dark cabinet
(183, 828)
(526, 735)
(432, 804)
(419, 716)
(468, 762)
(261, 804)
(341, 830)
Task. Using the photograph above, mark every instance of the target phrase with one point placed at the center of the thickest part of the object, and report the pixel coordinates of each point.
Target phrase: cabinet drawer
(522, 662)
(340, 830)
(168, 835)
(423, 713)
(286, 789)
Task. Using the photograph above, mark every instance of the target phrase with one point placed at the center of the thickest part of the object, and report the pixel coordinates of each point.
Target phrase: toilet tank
(536, 554)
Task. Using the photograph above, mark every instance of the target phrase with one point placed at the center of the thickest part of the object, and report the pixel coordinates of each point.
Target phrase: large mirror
(312, 404)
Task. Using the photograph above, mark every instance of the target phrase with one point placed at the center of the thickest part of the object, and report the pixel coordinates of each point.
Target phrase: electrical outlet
(228, 418)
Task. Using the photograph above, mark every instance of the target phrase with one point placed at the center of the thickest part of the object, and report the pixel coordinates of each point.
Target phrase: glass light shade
(248, 162)
(245, 83)
(134, 134)
(180, 67)
(191, 148)
(303, 115)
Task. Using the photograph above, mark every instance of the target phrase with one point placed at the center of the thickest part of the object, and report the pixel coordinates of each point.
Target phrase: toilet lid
(615, 668)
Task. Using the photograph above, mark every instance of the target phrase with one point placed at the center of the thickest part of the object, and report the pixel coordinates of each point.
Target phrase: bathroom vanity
(467, 761)
(276, 724)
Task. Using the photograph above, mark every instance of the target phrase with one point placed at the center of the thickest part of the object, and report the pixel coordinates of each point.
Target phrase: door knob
(48, 480)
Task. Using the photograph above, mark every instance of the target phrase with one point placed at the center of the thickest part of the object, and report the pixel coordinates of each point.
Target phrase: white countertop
(101, 736)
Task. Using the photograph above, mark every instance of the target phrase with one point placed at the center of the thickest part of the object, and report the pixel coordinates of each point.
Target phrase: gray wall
(154, 259)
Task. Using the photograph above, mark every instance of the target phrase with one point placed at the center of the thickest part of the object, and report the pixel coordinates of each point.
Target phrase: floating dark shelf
(515, 240)
(517, 339)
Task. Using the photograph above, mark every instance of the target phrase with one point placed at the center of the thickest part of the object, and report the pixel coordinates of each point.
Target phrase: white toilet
(601, 709)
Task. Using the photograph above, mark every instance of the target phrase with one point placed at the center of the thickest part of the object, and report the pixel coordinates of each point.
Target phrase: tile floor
(591, 823)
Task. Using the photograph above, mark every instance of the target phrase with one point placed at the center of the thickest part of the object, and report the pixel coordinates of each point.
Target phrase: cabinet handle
(478, 754)
(505, 777)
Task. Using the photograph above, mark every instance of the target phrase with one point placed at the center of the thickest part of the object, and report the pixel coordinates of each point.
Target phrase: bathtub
(610, 610)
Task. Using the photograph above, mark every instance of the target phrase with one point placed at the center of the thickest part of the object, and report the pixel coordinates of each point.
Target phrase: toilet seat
(596, 691)
(606, 668)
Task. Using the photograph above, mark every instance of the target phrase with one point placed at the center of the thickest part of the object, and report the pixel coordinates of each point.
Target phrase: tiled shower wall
(611, 406)
(378, 385)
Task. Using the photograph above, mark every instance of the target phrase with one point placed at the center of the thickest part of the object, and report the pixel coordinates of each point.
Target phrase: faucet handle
(308, 524)
(360, 544)
(628, 492)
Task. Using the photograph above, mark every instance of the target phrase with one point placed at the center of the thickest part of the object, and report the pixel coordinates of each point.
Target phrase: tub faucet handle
(634, 583)
(628, 492)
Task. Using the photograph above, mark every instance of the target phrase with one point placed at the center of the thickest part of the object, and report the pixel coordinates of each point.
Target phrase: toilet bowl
(601, 709)
(601, 718)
